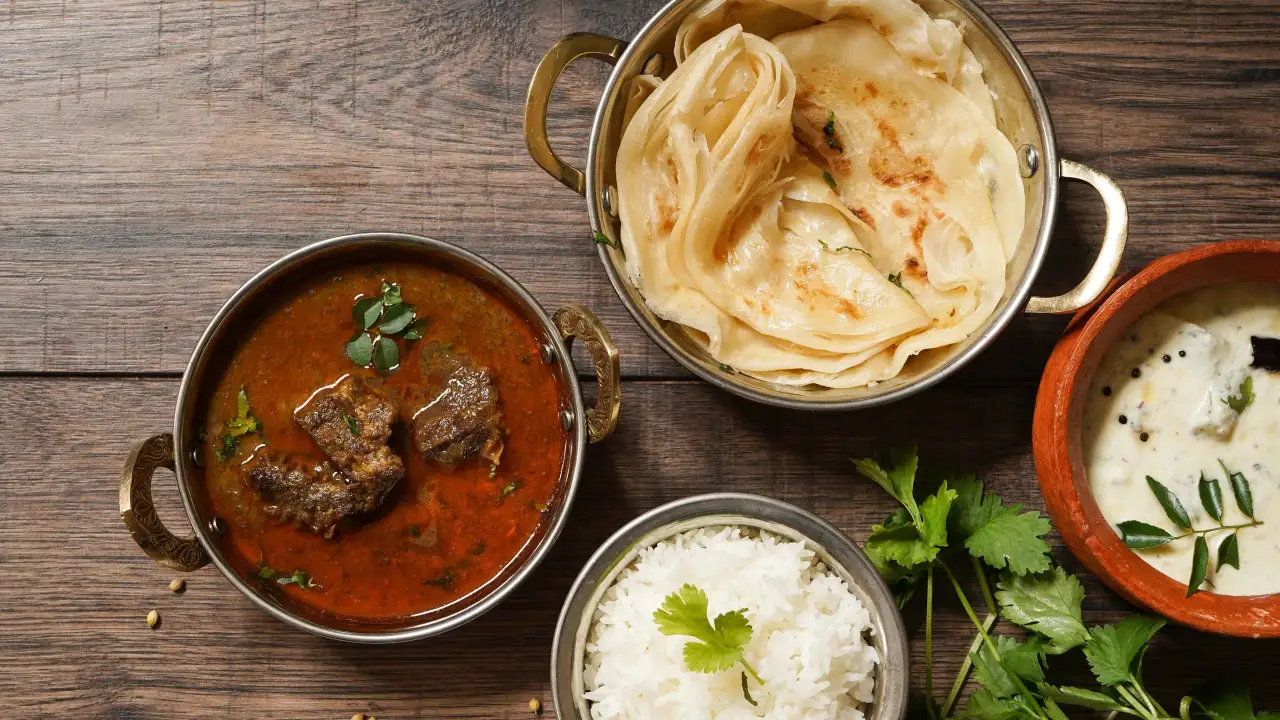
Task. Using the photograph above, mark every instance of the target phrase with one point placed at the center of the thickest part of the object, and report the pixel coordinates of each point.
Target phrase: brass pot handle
(1113, 241)
(139, 513)
(568, 49)
(576, 321)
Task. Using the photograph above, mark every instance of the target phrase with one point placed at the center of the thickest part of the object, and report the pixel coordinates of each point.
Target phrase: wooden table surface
(154, 154)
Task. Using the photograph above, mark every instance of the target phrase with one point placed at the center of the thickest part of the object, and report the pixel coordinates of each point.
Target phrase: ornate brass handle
(568, 49)
(139, 513)
(576, 321)
(1113, 241)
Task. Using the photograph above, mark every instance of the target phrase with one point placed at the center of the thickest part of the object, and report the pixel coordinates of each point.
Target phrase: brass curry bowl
(178, 450)
(1022, 114)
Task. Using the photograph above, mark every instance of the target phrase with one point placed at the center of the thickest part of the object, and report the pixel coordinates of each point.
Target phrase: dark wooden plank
(75, 588)
(158, 152)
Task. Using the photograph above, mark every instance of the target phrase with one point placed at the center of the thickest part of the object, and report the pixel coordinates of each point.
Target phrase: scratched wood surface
(154, 154)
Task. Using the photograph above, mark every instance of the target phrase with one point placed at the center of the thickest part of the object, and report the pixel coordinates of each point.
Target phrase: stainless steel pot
(177, 450)
(1021, 114)
(832, 547)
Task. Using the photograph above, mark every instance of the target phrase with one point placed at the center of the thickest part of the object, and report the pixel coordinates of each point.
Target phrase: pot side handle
(568, 49)
(1113, 241)
(139, 513)
(576, 321)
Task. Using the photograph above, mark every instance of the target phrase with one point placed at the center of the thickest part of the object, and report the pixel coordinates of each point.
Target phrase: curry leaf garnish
(1238, 403)
(360, 349)
(397, 318)
(1199, 566)
(386, 355)
(391, 294)
(1240, 488)
(1140, 536)
(1211, 496)
(508, 489)
(717, 644)
(830, 181)
(415, 329)
(352, 424)
(366, 312)
(602, 239)
(1229, 552)
(1170, 503)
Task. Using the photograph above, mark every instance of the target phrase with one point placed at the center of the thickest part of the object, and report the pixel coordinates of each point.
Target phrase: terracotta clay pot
(1057, 437)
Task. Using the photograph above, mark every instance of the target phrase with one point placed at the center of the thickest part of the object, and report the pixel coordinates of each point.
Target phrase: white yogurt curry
(1169, 402)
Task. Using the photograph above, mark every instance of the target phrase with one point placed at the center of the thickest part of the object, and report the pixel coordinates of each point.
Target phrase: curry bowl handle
(564, 52)
(576, 321)
(139, 513)
(1114, 238)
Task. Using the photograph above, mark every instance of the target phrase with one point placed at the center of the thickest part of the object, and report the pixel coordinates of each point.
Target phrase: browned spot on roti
(872, 89)
(917, 232)
(913, 268)
(888, 133)
(807, 269)
(759, 150)
(848, 308)
(865, 216)
(897, 170)
(900, 209)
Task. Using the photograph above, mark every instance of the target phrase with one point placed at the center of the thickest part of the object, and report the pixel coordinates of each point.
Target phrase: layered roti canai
(819, 191)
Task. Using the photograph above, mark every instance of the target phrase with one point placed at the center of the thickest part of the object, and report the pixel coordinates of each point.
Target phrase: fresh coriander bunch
(961, 526)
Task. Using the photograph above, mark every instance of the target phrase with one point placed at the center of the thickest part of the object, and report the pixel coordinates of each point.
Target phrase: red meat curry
(446, 529)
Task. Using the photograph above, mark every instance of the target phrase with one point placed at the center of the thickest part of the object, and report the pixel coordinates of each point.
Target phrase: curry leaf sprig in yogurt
(925, 535)
(1141, 536)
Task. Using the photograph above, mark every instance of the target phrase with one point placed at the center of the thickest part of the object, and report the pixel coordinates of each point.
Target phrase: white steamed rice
(809, 643)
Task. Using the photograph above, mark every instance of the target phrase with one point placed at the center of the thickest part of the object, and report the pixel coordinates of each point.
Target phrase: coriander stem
(1135, 703)
(958, 684)
(928, 640)
(751, 671)
(1146, 696)
(986, 586)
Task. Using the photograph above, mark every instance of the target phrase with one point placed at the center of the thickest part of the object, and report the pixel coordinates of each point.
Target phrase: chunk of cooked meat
(458, 416)
(351, 422)
(310, 493)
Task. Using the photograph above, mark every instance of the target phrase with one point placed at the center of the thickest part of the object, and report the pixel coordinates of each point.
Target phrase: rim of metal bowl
(833, 547)
(992, 328)
(448, 622)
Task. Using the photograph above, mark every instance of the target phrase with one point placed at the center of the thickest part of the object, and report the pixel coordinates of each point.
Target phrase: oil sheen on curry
(383, 442)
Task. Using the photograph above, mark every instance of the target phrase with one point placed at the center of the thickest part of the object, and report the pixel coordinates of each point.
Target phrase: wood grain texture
(75, 588)
(159, 152)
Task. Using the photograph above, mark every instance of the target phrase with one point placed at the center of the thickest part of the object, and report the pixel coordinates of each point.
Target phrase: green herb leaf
(1048, 604)
(1024, 660)
(933, 516)
(1211, 497)
(397, 318)
(1013, 540)
(830, 181)
(1139, 535)
(899, 480)
(444, 580)
(1238, 403)
(226, 449)
(991, 675)
(603, 239)
(1080, 697)
(360, 349)
(267, 573)
(1228, 700)
(716, 646)
(1240, 488)
(301, 578)
(508, 489)
(386, 355)
(984, 705)
(391, 294)
(1170, 502)
(416, 329)
(352, 424)
(1112, 649)
(244, 422)
(493, 469)
(1199, 566)
(366, 312)
(896, 279)
(1229, 552)
(746, 694)
(899, 541)
(727, 368)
